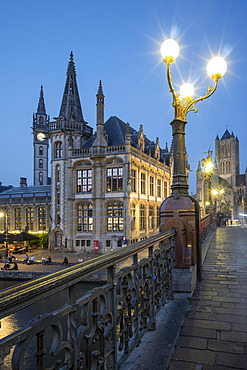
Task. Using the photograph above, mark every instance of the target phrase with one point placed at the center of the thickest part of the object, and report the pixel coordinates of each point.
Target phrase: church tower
(227, 156)
(40, 143)
(67, 133)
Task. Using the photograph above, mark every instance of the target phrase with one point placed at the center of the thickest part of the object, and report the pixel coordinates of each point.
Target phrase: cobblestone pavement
(214, 334)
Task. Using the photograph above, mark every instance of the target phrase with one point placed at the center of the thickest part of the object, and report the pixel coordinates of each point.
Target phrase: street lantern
(180, 210)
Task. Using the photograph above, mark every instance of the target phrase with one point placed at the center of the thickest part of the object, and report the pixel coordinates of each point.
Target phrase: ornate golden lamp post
(180, 210)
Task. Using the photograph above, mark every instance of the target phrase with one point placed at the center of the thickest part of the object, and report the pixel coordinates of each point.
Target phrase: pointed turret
(199, 167)
(100, 105)
(71, 105)
(166, 148)
(217, 137)
(41, 104)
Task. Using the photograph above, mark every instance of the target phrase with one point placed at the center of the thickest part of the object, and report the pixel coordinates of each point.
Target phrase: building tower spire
(100, 105)
(40, 143)
(71, 105)
(41, 104)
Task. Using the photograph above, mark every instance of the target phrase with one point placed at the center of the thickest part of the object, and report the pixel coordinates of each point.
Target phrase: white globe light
(217, 66)
(187, 90)
(169, 49)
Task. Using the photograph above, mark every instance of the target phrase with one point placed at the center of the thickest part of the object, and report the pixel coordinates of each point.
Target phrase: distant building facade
(106, 187)
(226, 176)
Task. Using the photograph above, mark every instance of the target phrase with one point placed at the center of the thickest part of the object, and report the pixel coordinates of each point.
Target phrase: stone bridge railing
(97, 330)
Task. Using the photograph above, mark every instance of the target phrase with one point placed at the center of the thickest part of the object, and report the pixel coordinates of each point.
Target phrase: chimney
(23, 182)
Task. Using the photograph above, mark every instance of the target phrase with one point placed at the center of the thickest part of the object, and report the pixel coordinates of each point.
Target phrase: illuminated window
(85, 217)
(84, 181)
(142, 217)
(151, 218)
(158, 217)
(29, 218)
(133, 181)
(17, 213)
(143, 183)
(165, 189)
(41, 218)
(58, 149)
(158, 188)
(41, 163)
(114, 180)
(115, 216)
(133, 216)
(151, 185)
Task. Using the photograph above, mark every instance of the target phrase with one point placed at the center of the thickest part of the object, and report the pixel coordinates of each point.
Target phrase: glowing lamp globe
(215, 192)
(216, 67)
(187, 90)
(169, 50)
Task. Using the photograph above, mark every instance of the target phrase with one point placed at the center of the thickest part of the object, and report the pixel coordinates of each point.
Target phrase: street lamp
(184, 103)
(180, 210)
(208, 169)
(2, 214)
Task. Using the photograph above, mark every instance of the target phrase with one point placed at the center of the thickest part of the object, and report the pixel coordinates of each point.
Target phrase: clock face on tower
(41, 136)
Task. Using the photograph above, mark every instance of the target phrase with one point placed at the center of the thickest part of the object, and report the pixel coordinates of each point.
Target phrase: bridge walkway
(214, 334)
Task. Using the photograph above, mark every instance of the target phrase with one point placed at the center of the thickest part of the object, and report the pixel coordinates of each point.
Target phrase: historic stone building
(106, 188)
(226, 177)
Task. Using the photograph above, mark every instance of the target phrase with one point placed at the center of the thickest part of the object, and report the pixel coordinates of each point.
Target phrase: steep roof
(71, 105)
(27, 191)
(41, 104)
(226, 135)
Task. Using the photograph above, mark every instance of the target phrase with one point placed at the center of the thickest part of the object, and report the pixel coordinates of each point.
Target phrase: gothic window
(41, 150)
(41, 218)
(151, 185)
(158, 188)
(58, 174)
(85, 217)
(84, 181)
(114, 179)
(229, 166)
(41, 178)
(115, 216)
(158, 217)
(133, 216)
(17, 213)
(58, 149)
(151, 218)
(41, 163)
(29, 218)
(143, 183)
(142, 217)
(229, 153)
(6, 219)
(41, 120)
(133, 181)
(165, 189)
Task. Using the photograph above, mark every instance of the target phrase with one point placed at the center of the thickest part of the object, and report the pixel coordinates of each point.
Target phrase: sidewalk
(214, 334)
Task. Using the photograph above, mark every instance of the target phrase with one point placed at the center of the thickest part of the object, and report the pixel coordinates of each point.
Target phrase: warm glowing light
(1, 214)
(208, 167)
(216, 67)
(221, 191)
(207, 203)
(169, 50)
(215, 192)
(187, 90)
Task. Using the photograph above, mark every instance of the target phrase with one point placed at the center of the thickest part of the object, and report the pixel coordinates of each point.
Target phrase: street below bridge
(214, 331)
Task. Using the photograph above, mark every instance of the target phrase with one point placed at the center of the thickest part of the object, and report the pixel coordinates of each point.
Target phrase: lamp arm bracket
(172, 90)
(189, 104)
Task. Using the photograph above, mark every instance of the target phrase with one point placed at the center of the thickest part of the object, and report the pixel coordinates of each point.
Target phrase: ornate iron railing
(101, 328)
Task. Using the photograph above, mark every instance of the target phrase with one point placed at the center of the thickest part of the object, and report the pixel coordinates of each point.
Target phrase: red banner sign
(96, 246)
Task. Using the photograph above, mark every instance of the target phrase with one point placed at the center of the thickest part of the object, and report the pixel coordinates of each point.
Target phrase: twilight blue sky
(118, 42)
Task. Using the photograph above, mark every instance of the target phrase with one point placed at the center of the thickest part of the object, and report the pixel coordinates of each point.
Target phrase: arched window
(85, 217)
(41, 120)
(133, 216)
(41, 178)
(58, 149)
(41, 218)
(151, 218)
(41, 150)
(17, 213)
(58, 174)
(41, 163)
(115, 216)
(165, 190)
(29, 218)
(142, 217)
